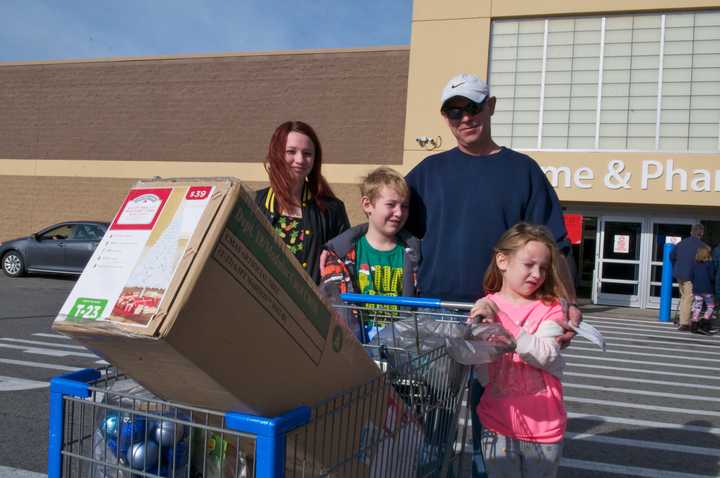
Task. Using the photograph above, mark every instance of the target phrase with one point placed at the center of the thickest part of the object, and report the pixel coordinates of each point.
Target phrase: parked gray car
(62, 248)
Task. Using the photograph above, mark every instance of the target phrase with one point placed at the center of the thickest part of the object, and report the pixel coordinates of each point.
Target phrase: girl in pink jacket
(522, 409)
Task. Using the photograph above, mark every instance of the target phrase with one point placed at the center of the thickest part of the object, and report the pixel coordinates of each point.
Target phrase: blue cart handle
(405, 301)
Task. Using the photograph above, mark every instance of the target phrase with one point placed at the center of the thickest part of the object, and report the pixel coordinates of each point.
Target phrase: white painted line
(13, 384)
(683, 351)
(714, 348)
(10, 472)
(53, 336)
(43, 344)
(645, 354)
(634, 422)
(630, 320)
(644, 362)
(625, 470)
(668, 330)
(49, 352)
(676, 335)
(652, 445)
(642, 380)
(641, 406)
(642, 370)
(39, 365)
(643, 423)
(702, 398)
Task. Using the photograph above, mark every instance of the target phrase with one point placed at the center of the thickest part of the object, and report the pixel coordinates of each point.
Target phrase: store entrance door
(620, 253)
(663, 231)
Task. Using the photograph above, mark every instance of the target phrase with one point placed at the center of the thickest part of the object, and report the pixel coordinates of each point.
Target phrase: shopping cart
(404, 423)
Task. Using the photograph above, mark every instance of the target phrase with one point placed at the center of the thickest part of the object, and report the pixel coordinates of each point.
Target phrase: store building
(619, 102)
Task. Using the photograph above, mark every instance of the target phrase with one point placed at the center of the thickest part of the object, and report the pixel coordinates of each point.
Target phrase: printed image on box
(126, 279)
(140, 299)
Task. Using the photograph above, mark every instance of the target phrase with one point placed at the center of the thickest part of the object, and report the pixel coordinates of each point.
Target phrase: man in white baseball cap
(464, 199)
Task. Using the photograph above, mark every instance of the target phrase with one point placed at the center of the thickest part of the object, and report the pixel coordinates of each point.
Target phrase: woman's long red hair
(279, 171)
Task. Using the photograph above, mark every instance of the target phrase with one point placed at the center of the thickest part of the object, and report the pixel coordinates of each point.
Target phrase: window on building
(626, 82)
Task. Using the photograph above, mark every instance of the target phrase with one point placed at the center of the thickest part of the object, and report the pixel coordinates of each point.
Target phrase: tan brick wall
(30, 203)
(219, 109)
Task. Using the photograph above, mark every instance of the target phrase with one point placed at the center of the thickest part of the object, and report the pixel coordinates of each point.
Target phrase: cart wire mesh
(405, 422)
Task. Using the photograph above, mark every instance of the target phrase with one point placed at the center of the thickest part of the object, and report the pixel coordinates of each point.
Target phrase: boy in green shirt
(379, 257)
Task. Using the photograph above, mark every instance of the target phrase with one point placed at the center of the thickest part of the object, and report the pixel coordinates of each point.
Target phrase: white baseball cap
(467, 86)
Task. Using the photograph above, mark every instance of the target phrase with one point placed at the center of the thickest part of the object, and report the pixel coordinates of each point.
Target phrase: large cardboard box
(191, 293)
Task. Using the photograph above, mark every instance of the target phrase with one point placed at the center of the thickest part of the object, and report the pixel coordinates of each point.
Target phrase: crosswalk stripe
(714, 348)
(633, 320)
(641, 380)
(44, 344)
(689, 354)
(602, 358)
(14, 384)
(49, 352)
(642, 406)
(10, 472)
(652, 445)
(51, 366)
(53, 336)
(640, 370)
(645, 354)
(624, 470)
(678, 336)
(636, 422)
(702, 398)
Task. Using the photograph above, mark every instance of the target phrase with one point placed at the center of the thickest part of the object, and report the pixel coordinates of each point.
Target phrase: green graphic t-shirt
(379, 272)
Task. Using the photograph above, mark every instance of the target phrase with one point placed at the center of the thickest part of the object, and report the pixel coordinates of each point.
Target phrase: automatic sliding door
(619, 261)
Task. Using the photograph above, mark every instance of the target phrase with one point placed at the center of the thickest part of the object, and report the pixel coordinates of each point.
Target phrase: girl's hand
(571, 315)
(484, 310)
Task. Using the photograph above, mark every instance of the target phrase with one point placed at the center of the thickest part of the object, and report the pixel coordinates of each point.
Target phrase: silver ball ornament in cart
(143, 456)
(168, 433)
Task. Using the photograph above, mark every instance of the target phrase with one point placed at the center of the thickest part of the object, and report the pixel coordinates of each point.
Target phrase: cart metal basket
(404, 423)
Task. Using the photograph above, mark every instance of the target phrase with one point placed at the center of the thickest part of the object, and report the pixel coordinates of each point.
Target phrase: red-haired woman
(299, 203)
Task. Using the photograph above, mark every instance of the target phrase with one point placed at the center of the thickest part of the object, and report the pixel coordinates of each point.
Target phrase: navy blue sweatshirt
(460, 206)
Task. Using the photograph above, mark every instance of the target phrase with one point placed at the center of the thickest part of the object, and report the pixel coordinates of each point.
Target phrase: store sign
(617, 176)
(621, 244)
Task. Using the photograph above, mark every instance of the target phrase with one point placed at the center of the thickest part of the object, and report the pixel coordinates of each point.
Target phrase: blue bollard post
(666, 287)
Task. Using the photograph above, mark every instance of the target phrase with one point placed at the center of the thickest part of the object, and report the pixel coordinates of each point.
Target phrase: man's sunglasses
(456, 113)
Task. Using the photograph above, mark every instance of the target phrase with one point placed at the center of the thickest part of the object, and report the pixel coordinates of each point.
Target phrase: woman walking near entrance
(702, 276)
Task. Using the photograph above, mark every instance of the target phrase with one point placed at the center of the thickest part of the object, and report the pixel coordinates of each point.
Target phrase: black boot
(694, 327)
(706, 328)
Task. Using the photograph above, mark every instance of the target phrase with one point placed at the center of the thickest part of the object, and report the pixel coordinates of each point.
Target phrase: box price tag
(87, 309)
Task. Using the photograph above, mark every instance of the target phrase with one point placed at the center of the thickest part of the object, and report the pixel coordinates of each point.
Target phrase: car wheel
(13, 264)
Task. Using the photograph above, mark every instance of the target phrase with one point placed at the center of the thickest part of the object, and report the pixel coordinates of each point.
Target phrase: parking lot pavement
(30, 355)
(649, 406)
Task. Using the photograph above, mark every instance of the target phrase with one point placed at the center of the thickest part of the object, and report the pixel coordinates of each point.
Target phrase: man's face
(470, 130)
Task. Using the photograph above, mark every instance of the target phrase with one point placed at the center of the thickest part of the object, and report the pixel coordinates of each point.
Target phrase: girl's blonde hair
(514, 239)
(703, 254)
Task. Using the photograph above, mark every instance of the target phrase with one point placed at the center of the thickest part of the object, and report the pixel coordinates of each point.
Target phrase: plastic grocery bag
(483, 343)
